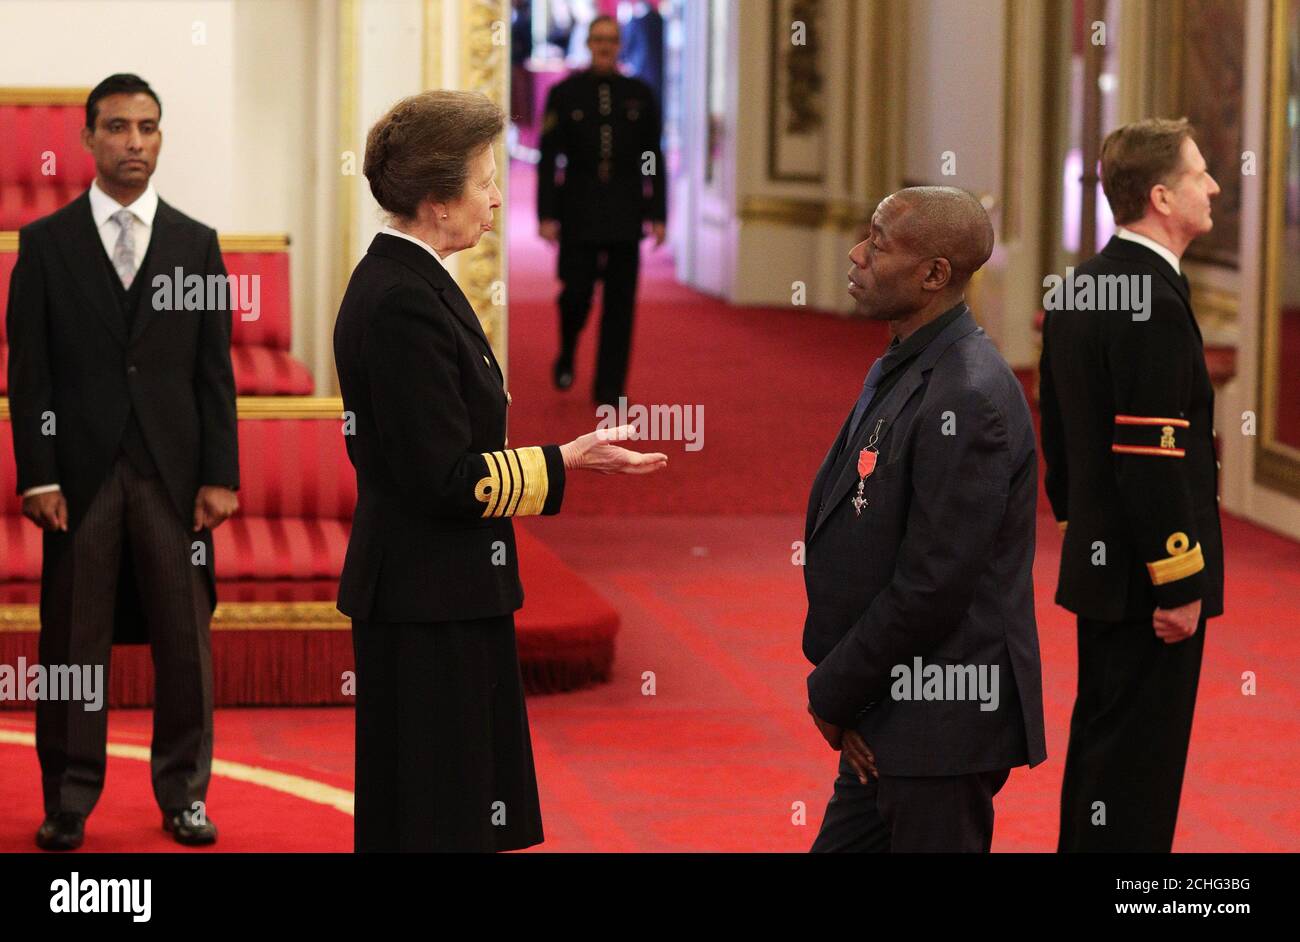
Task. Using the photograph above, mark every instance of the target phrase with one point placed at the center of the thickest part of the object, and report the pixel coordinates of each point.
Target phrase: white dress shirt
(389, 230)
(102, 208)
(1153, 245)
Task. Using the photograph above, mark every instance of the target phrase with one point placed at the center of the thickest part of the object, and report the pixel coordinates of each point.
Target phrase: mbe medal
(866, 464)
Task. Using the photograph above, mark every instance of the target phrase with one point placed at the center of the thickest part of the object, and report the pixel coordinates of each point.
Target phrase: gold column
(485, 67)
(484, 33)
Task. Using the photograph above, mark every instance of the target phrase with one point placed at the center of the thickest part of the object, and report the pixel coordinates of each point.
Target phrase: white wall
(389, 68)
(954, 92)
(80, 42)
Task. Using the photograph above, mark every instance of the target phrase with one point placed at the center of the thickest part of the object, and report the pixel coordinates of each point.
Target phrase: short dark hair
(422, 147)
(1135, 157)
(121, 83)
(603, 18)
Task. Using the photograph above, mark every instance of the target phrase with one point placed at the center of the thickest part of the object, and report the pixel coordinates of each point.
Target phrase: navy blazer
(938, 566)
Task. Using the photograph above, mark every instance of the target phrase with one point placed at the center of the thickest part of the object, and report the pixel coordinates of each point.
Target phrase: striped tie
(124, 251)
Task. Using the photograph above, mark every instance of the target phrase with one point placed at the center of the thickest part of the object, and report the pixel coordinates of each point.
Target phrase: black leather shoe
(184, 826)
(562, 373)
(62, 830)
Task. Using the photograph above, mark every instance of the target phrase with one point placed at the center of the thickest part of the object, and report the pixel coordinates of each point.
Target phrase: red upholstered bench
(44, 167)
(277, 636)
(259, 347)
(42, 163)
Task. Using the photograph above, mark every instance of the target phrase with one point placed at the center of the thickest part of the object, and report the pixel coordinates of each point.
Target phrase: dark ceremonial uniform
(1128, 438)
(608, 128)
(431, 581)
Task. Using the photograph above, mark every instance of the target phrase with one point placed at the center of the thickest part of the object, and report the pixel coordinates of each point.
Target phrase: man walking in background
(608, 127)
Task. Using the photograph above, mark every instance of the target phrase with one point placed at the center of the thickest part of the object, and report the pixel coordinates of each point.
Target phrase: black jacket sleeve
(960, 485)
(1053, 434)
(409, 352)
(549, 193)
(1151, 365)
(214, 388)
(31, 398)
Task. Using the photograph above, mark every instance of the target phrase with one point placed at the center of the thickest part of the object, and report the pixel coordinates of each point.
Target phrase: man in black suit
(1128, 439)
(919, 553)
(607, 126)
(124, 437)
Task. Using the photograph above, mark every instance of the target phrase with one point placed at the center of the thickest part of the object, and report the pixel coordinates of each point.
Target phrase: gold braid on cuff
(516, 483)
(1180, 563)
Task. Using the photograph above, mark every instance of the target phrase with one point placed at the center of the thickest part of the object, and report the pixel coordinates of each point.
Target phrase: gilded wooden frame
(1277, 465)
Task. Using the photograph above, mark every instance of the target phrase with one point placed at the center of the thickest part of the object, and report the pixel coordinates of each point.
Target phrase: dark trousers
(1129, 733)
(130, 513)
(617, 264)
(910, 814)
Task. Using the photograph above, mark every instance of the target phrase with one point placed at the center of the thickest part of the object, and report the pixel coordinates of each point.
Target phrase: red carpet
(774, 385)
(720, 755)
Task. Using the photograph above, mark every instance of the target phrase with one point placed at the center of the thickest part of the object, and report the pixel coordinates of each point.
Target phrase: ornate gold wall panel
(484, 67)
(1277, 465)
(795, 99)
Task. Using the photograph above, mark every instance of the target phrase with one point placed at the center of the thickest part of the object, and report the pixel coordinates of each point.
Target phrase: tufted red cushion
(295, 468)
(260, 348)
(273, 325)
(20, 547)
(10, 503)
(40, 138)
(297, 494)
(261, 371)
(7, 261)
(280, 548)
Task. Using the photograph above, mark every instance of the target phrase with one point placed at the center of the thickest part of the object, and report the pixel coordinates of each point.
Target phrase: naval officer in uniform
(1127, 426)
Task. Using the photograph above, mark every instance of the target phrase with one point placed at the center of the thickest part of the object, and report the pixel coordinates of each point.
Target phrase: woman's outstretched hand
(596, 451)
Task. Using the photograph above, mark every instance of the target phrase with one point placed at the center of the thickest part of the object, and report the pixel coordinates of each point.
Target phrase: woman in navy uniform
(443, 756)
